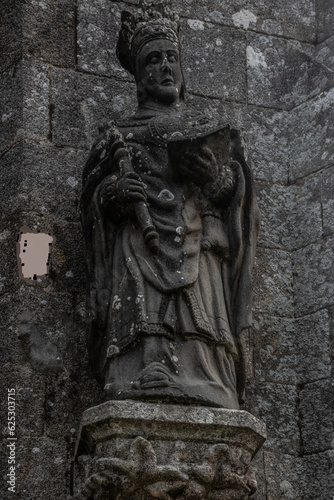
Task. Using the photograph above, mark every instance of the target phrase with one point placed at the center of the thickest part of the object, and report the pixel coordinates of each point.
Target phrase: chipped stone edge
(201, 416)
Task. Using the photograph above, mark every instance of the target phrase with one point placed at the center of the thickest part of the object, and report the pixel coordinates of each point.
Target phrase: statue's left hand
(200, 167)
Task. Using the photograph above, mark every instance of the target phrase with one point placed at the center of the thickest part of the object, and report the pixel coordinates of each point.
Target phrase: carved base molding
(144, 451)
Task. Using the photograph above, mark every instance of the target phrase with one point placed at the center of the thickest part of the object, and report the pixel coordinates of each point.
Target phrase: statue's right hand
(130, 189)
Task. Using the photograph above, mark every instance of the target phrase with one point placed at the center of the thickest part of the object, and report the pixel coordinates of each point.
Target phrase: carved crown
(156, 19)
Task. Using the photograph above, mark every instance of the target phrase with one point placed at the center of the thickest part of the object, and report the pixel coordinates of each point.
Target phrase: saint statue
(170, 224)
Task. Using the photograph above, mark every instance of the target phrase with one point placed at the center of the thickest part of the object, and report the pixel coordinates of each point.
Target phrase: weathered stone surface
(42, 462)
(318, 477)
(312, 334)
(258, 466)
(317, 415)
(314, 277)
(328, 200)
(48, 31)
(304, 220)
(267, 144)
(296, 19)
(68, 260)
(311, 130)
(292, 351)
(11, 107)
(272, 283)
(99, 22)
(35, 103)
(213, 60)
(30, 404)
(276, 356)
(44, 181)
(24, 102)
(307, 478)
(141, 451)
(291, 215)
(331, 333)
(10, 33)
(82, 103)
(283, 474)
(325, 53)
(272, 77)
(325, 19)
(8, 267)
(275, 404)
(8, 334)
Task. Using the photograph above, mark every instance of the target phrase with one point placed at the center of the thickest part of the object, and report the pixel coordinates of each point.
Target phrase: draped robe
(181, 312)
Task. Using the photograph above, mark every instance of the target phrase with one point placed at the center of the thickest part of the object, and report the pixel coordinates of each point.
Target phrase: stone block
(291, 216)
(11, 107)
(8, 335)
(272, 283)
(328, 200)
(24, 102)
(311, 130)
(272, 75)
(65, 401)
(68, 257)
(9, 278)
(213, 60)
(49, 32)
(81, 103)
(317, 416)
(331, 333)
(42, 469)
(292, 351)
(36, 83)
(312, 343)
(294, 20)
(98, 26)
(42, 182)
(275, 354)
(325, 53)
(10, 34)
(318, 478)
(314, 277)
(275, 404)
(292, 478)
(304, 222)
(325, 19)
(30, 404)
(283, 474)
(267, 143)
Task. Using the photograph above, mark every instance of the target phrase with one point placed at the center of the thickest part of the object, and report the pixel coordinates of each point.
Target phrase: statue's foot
(154, 375)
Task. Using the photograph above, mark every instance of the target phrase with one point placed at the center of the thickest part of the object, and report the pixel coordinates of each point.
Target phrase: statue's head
(149, 48)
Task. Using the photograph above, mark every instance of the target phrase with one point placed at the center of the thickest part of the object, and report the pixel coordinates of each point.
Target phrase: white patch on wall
(244, 18)
(196, 25)
(71, 181)
(255, 58)
(34, 253)
(118, 103)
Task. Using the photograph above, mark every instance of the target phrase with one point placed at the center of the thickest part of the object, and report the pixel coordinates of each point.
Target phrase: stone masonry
(270, 75)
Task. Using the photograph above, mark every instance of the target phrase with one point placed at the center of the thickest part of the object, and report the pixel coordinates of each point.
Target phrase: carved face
(158, 71)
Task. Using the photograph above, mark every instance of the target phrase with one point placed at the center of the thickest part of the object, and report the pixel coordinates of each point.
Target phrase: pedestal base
(143, 451)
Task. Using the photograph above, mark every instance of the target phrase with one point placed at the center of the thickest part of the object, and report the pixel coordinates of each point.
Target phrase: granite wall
(267, 67)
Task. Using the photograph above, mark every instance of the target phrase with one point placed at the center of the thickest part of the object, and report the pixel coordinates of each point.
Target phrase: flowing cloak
(124, 280)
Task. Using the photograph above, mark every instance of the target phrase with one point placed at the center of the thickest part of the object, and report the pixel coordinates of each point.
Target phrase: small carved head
(149, 48)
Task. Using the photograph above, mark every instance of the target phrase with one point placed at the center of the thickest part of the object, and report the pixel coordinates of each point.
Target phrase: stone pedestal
(130, 450)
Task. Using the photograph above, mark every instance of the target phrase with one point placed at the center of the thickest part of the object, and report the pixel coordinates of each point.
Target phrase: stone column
(130, 450)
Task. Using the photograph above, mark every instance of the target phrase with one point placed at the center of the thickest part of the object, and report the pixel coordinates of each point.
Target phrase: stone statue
(170, 224)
